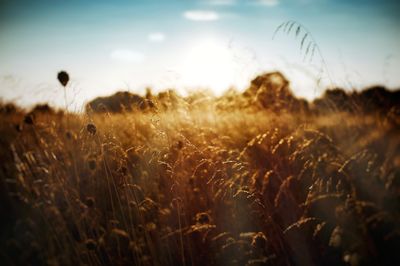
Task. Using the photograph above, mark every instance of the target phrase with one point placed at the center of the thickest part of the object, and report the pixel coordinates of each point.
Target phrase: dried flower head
(203, 218)
(63, 77)
(90, 202)
(28, 119)
(91, 128)
(69, 135)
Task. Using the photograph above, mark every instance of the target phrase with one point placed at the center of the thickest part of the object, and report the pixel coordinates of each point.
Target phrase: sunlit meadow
(213, 132)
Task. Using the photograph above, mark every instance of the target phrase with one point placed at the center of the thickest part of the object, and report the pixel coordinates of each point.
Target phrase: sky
(108, 46)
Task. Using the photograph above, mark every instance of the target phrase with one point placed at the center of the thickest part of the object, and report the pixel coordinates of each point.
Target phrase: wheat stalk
(312, 46)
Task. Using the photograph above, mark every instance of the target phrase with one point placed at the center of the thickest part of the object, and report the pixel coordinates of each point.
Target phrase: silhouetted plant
(63, 78)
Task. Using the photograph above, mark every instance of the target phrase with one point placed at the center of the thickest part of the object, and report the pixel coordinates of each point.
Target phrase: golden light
(208, 64)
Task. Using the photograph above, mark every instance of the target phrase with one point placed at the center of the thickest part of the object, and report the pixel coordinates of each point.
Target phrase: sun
(208, 63)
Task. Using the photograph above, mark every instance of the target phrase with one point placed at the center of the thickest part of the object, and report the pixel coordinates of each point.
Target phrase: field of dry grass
(209, 182)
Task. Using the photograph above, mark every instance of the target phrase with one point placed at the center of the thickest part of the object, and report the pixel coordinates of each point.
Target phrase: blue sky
(189, 44)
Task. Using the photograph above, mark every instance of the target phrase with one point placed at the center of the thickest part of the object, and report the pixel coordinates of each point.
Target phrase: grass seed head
(29, 119)
(91, 128)
(259, 240)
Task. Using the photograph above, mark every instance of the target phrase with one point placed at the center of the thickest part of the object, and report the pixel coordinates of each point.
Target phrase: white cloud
(156, 37)
(127, 56)
(201, 15)
(266, 2)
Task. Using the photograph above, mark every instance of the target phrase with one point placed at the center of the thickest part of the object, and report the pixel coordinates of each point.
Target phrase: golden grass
(199, 187)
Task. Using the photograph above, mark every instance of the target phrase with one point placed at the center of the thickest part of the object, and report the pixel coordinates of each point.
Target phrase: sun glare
(208, 64)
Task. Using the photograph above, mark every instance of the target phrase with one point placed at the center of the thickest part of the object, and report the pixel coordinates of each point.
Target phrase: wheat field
(253, 178)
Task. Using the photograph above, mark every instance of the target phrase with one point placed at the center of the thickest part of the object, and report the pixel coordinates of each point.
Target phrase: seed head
(259, 240)
(91, 128)
(90, 202)
(203, 218)
(179, 145)
(63, 77)
(69, 135)
(28, 119)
